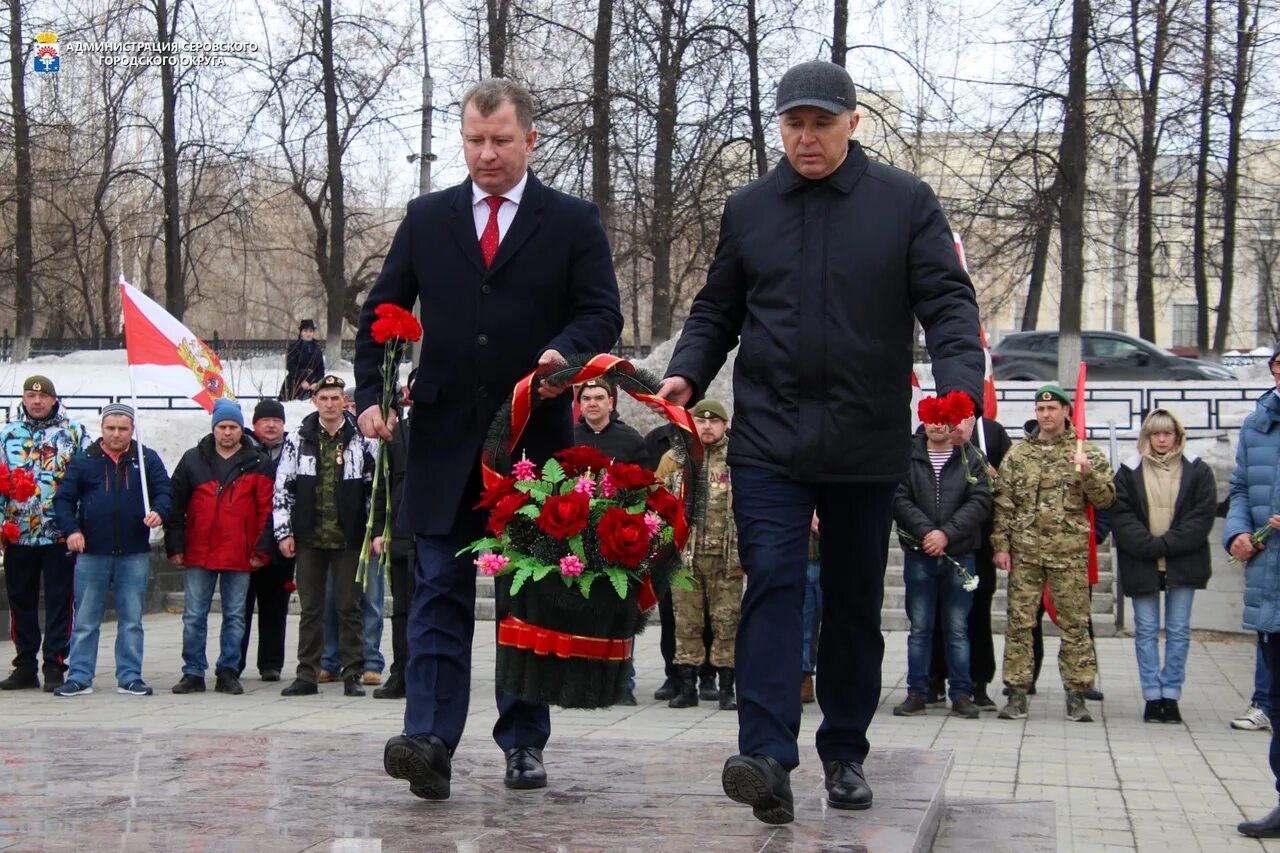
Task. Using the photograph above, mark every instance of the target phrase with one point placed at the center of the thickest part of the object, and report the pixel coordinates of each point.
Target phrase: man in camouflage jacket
(712, 556)
(1041, 537)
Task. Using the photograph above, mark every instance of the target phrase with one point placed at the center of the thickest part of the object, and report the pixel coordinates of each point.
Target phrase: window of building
(1184, 324)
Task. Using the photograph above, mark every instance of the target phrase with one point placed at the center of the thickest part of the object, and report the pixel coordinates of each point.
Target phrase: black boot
(687, 697)
(728, 702)
(392, 688)
(707, 684)
(669, 688)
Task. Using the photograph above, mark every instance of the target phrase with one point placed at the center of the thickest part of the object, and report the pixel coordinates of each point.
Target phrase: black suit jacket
(551, 286)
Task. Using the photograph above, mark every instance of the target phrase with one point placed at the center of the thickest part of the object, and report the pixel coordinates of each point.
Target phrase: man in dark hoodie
(600, 427)
(41, 441)
(272, 584)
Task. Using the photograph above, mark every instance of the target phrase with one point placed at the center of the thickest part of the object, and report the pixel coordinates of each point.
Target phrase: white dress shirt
(506, 213)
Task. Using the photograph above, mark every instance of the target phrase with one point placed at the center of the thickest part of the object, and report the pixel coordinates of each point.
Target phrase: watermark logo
(46, 59)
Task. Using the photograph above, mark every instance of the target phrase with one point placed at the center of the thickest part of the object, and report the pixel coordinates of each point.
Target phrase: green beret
(1045, 393)
(711, 409)
(39, 383)
(331, 381)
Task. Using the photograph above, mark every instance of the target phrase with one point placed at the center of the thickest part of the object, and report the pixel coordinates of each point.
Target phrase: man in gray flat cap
(821, 268)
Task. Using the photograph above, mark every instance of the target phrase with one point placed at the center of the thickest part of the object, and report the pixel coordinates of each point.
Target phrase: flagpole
(142, 456)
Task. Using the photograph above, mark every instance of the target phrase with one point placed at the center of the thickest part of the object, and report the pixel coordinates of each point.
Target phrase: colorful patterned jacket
(44, 448)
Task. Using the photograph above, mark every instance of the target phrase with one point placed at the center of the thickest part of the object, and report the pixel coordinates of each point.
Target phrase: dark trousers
(25, 566)
(773, 513)
(982, 651)
(313, 567)
(402, 586)
(267, 591)
(441, 626)
(1269, 645)
(667, 639)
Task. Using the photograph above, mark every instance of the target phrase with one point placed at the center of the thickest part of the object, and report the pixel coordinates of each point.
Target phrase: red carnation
(395, 322)
(23, 485)
(958, 406)
(627, 476)
(290, 586)
(505, 510)
(930, 411)
(664, 504)
(10, 531)
(580, 459)
(504, 487)
(624, 537)
(564, 515)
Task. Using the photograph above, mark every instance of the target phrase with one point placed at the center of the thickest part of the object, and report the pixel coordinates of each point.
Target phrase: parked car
(1111, 356)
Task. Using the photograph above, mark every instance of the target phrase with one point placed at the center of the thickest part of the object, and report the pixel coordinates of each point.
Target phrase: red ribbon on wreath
(522, 403)
(545, 641)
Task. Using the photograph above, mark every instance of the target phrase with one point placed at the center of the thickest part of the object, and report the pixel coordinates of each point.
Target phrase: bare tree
(1073, 163)
(23, 252)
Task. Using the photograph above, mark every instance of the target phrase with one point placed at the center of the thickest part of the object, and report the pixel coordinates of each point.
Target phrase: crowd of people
(823, 268)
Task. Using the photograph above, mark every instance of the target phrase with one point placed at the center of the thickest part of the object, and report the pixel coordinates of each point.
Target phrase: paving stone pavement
(1118, 784)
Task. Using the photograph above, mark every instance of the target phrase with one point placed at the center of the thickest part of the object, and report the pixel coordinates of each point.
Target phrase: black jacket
(821, 281)
(397, 465)
(304, 362)
(998, 444)
(956, 507)
(551, 286)
(1185, 545)
(294, 505)
(618, 440)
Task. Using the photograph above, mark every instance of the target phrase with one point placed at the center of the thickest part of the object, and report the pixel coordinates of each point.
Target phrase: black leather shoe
(393, 688)
(668, 690)
(760, 782)
(422, 760)
(21, 679)
(189, 684)
(269, 674)
(300, 688)
(227, 682)
(847, 786)
(1264, 827)
(351, 686)
(524, 769)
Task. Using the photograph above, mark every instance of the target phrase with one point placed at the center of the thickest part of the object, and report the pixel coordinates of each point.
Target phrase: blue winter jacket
(103, 500)
(1255, 497)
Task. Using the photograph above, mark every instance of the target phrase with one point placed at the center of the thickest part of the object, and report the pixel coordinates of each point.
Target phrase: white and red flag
(163, 351)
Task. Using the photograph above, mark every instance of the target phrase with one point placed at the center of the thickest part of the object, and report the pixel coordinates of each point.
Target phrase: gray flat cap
(824, 85)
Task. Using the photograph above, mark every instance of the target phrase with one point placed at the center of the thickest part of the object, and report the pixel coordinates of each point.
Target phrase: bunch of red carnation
(18, 484)
(581, 517)
(950, 409)
(395, 322)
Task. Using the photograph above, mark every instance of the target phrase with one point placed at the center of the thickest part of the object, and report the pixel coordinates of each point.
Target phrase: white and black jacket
(294, 504)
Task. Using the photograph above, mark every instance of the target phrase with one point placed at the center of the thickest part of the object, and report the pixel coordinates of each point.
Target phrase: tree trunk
(1200, 250)
(1045, 220)
(840, 33)
(1246, 32)
(1073, 163)
(175, 291)
(753, 68)
(23, 252)
(499, 19)
(1149, 91)
(601, 136)
(336, 283)
(663, 191)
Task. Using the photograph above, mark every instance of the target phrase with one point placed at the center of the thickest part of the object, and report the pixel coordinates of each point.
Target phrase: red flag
(162, 350)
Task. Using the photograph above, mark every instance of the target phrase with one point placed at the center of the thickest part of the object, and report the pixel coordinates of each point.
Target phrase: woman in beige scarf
(1165, 502)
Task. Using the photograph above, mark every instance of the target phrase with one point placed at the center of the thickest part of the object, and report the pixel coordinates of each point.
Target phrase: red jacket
(217, 525)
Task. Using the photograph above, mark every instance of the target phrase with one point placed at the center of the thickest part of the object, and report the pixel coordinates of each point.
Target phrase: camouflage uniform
(1040, 521)
(712, 556)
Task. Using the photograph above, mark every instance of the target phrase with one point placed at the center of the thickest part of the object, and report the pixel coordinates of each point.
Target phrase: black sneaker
(72, 687)
(137, 687)
(228, 683)
(1154, 711)
(269, 674)
(53, 679)
(982, 700)
(1171, 712)
(300, 688)
(21, 679)
(351, 686)
(189, 684)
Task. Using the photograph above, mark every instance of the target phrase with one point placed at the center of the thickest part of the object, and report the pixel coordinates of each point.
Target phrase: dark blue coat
(551, 286)
(103, 500)
(820, 281)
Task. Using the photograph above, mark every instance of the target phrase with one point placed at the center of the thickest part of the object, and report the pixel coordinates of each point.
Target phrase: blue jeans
(371, 600)
(197, 596)
(1261, 681)
(812, 610)
(126, 575)
(935, 590)
(1166, 683)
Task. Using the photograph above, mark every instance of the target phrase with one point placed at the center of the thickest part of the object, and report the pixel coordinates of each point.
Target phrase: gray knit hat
(117, 409)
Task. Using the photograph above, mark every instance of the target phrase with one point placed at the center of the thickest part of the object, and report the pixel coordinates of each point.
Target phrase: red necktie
(489, 237)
